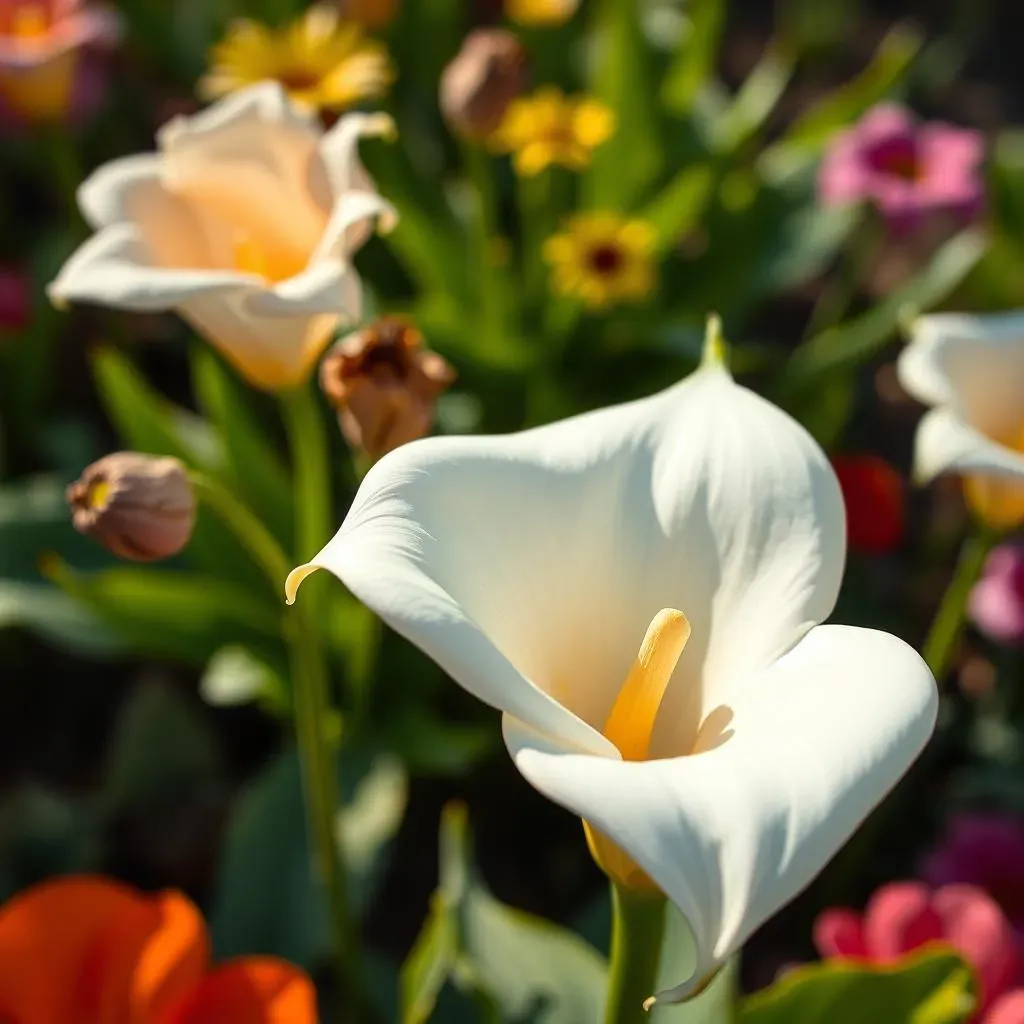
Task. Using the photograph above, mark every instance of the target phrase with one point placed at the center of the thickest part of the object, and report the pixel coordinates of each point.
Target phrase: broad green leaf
(57, 618)
(841, 348)
(252, 463)
(625, 166)
(515, 965)
(931, 986)
(893, 57)
(266, 900)
(169, 614)
(148, 422)
(162, 748)
(432, 744)
(694, 64)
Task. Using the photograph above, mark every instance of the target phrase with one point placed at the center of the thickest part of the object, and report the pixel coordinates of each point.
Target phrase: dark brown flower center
(298, 79)
(606, 260)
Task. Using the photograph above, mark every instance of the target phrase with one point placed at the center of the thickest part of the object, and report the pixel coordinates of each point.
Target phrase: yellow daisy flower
(602, 259)
(551, 128)
(541, 12)
(325, 63)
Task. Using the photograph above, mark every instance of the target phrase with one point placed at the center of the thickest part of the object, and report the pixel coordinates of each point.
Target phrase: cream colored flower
(727, 761)
(971, 370)
(244, 222)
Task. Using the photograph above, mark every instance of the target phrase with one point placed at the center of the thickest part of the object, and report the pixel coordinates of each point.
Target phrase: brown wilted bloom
(140, 507)
(384, 384)
(483, 78)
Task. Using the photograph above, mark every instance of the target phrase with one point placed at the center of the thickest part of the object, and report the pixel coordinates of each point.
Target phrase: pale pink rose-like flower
(903, 916)
(997, 600)
(909, 170)
(41, 42)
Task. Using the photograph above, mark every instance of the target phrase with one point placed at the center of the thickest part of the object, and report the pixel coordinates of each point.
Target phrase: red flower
(874, 497)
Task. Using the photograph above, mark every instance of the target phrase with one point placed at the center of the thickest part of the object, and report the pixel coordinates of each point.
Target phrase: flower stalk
(638, 926)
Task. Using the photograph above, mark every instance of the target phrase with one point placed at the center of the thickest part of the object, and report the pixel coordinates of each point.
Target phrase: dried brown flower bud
(384, 384)
(484, 77)
(137, 506)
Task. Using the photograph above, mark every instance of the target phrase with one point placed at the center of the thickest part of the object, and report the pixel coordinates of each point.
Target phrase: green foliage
(511, 965)
(932, 986)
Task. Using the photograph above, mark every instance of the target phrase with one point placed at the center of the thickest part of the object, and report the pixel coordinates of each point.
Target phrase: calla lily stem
(947, 626)
(638, 926)
(311, 465)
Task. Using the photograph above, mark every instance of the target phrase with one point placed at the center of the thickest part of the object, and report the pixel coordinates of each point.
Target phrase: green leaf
(679, 207)
(517, 966)
(756, 100)
(177, 615)
(694, 64)
(841, 348)
(625, 166)
(253, 465)
(266, 901)
(893, 57)
(235, 675)
(57, 619)
(162, 748)
(931, 986)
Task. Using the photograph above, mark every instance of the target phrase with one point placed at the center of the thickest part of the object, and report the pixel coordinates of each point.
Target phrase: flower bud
(384, 384)
(481, 81)
(138, 506)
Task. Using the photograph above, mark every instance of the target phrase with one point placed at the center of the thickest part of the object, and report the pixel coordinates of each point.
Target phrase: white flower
(971, 369)
(530, 566)
(244, 222)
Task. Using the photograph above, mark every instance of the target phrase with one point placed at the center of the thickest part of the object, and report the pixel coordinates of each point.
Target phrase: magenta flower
(985, 849)
(40, 45)
(902, 916)
(997, 600)
(909, 170)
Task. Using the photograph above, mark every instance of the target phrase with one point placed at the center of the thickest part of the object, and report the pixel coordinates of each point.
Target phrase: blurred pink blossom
(909, 170)
(985, 849)
(15, 299)
(40, 45)
(902, 916)
(997, 600)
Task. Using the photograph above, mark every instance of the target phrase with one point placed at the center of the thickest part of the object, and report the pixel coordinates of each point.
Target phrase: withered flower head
(384, 384)
(138, 506)
(484, 77)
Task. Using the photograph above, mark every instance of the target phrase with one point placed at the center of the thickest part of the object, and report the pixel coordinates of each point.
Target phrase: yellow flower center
(998, 501)
(29, 21)
(631, 722)
(271, 263)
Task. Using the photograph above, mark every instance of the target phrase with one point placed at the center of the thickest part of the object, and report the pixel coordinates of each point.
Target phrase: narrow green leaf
(755, 101)
(177, 615)
(929, 986)
(57, 619)
(840, 348)
(679, 207)
(893, 57)
(694, 64)
(429, 965)
(252, 463)
(626, 165)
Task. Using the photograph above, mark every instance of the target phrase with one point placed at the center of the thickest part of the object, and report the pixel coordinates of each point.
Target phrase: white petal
(114, 268)
(110, 193)
(946, 444)
(532, 564)
(323, 288)
(339, 151)
(975, 364)
(351, 221)
(734, 833)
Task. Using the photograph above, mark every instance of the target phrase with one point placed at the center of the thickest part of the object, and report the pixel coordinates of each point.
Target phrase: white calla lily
(970, 369)
(530, 566)
(245, 222)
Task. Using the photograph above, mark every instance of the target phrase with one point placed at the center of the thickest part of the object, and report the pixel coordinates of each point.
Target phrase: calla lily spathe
(970, 369)
(244, 222)
(530, 566)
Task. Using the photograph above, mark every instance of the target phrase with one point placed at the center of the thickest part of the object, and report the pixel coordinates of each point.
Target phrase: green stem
(638, 925)
(483, 266)
(254, 536)
(310, 452)
(949, 619)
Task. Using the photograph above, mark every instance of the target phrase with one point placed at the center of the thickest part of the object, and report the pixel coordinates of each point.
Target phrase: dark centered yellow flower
(602, 259)
(552, 128)
(324, 62)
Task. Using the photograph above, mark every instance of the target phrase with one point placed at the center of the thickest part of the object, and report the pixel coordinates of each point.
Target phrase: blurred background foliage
(142, 708)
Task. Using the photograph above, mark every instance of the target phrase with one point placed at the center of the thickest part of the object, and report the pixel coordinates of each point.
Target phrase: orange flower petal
(93, 951)
(250, 990)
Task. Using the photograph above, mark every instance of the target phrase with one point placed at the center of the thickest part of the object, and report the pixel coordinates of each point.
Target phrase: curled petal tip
(57, 300)
(294, 581)
(716, 349)
(383, 125)
(649, 1002)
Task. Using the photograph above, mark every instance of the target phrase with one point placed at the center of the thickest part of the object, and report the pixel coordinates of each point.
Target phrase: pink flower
(40, 43)
(986, 850)
(15, 299)
(997, 600)
(907, 169)
(902, 916)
